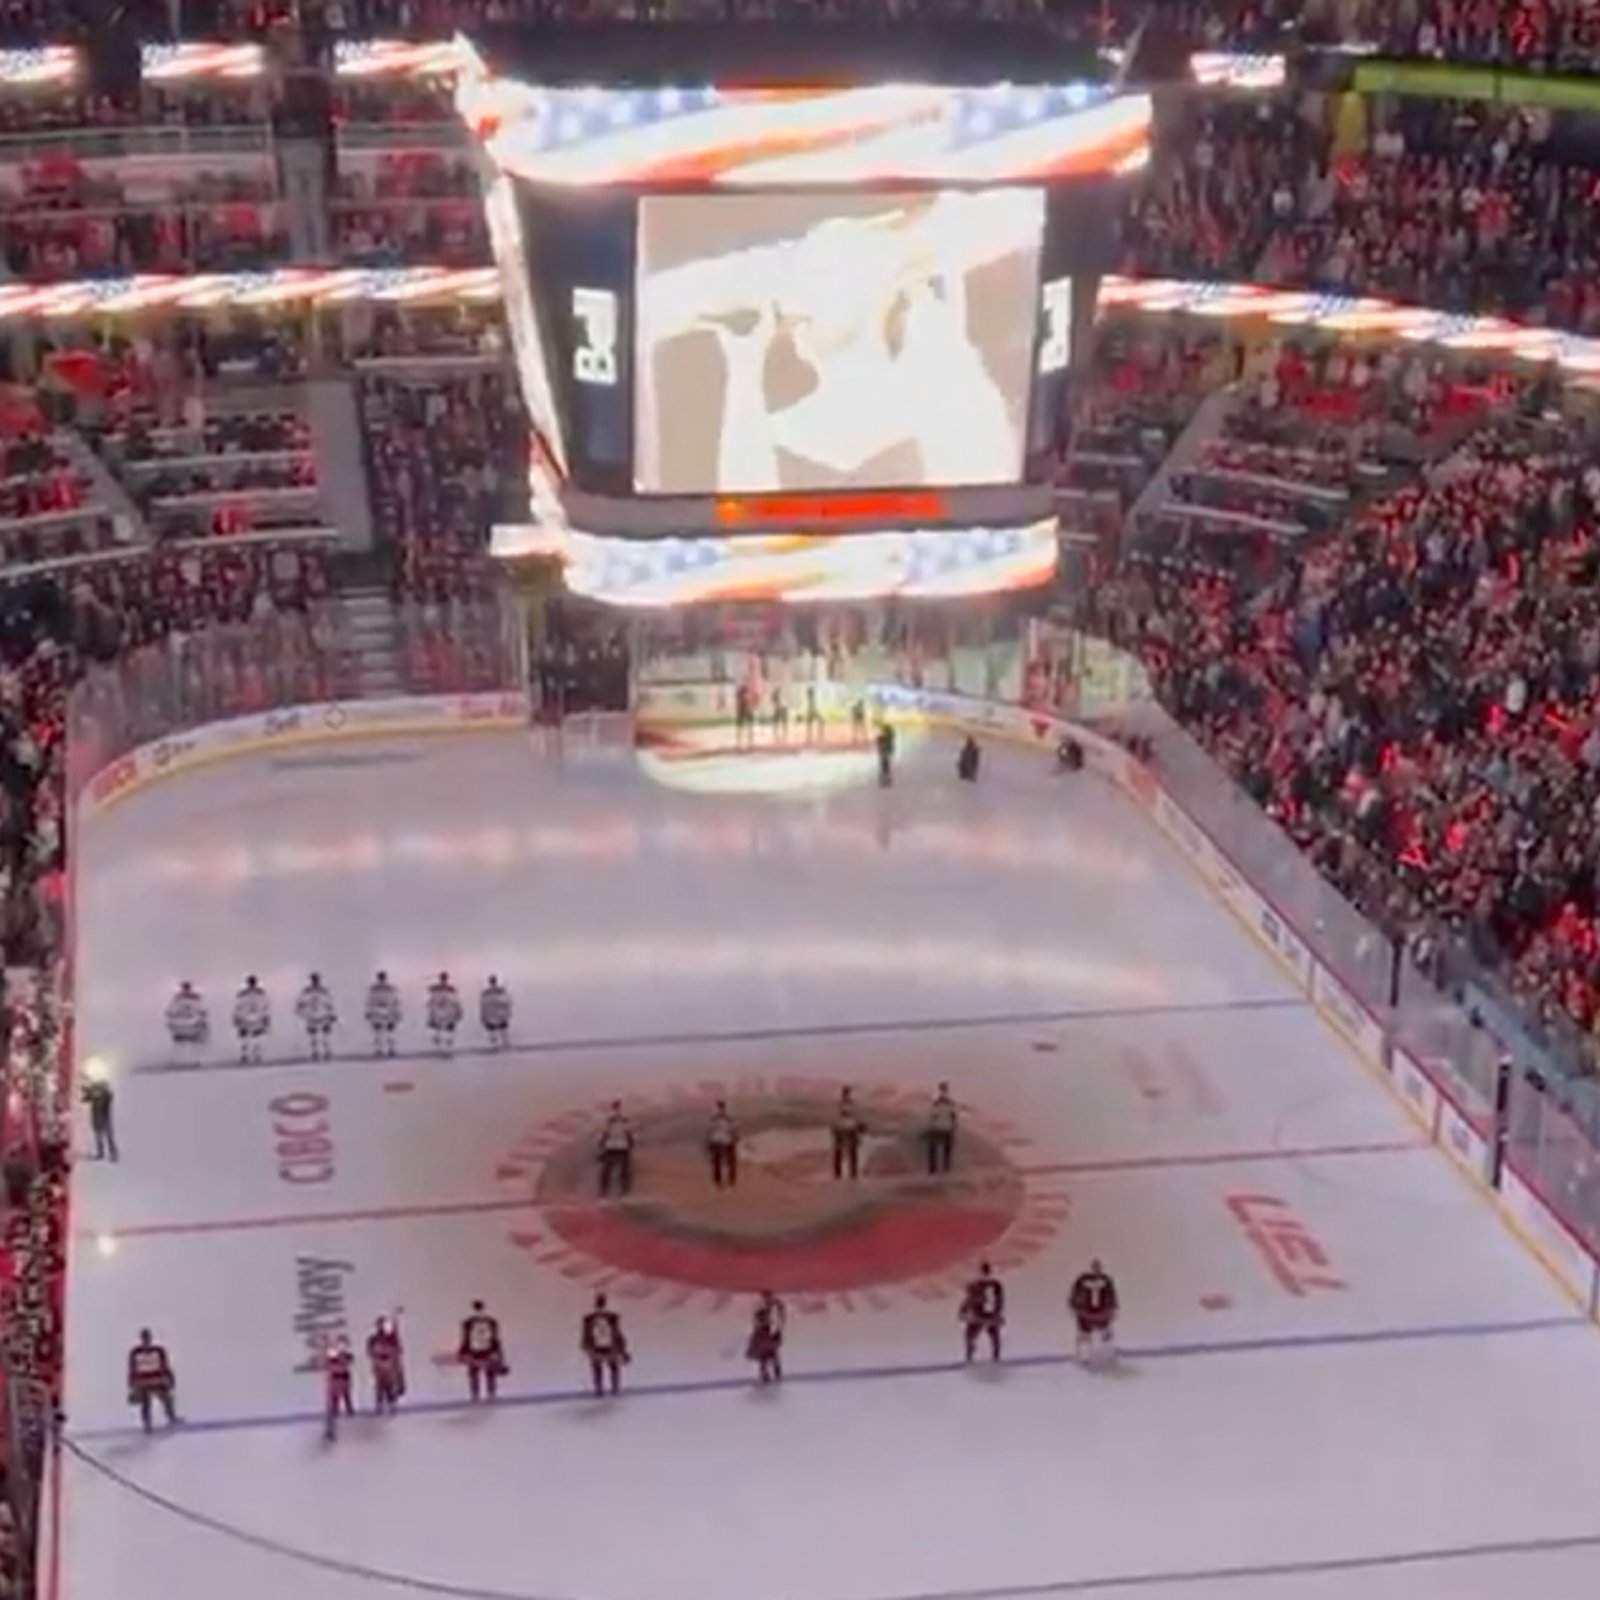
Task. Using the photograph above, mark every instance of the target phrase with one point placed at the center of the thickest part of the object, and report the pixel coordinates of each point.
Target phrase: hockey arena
(1318, 1312)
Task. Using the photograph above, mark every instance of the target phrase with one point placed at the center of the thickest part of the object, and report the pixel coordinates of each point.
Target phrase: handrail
(146, 140)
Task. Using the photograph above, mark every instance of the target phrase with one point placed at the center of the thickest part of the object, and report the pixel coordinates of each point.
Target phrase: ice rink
(1343, 1379)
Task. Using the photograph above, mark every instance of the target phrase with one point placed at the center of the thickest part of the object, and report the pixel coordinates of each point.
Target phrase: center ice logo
(789, 1225)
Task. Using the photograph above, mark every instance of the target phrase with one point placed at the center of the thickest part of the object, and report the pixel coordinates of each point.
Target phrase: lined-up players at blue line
(481, 1351)
(189, 1021)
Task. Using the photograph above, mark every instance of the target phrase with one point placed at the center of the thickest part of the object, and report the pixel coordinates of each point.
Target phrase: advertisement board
(293, 726)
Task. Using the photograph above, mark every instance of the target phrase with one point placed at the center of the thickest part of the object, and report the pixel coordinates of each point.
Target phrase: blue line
(825, 1030)
(1179, 1351)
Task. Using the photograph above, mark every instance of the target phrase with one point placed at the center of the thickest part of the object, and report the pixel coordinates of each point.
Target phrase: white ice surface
(1423, 1431)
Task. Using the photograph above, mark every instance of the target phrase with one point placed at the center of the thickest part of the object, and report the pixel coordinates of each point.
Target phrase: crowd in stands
(98, 231)
(1457, 205)
(1411, 693)
(1144, 385)
(54, 634)
(440, 454)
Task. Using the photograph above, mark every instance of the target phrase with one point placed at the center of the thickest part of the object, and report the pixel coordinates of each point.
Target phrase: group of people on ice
(480, 1350)
(189, 1022)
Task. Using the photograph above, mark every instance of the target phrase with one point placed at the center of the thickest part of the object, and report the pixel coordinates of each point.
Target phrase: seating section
(1414, 700)
(440, 453)
(418, 205)
(1464, 206)
(243, 472)
(1145, 382)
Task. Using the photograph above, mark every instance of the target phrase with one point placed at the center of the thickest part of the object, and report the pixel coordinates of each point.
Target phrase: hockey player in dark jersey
(481, 1353)
(386, 1357)
(151, 1380)
(339, 1372)
(765, 1347)
(606, 1347)
(983, 1312)
(1094, 1310)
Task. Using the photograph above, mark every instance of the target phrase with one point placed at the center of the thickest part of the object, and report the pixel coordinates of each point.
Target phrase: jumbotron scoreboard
(806, 331)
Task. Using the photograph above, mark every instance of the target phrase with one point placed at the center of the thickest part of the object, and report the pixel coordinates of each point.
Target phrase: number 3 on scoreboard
(595, 359)
(1055, 310)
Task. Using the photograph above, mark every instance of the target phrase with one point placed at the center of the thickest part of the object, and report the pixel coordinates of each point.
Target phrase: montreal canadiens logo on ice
(790, 1225)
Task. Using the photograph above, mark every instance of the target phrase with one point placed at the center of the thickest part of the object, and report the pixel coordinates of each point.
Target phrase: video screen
(834, 341)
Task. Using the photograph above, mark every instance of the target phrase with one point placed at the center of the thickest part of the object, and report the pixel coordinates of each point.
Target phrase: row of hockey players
(480, 1350)
(189, 1022)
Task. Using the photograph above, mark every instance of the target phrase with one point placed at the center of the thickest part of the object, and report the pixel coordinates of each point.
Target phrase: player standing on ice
(606, 1347)
(252, 1018)
(1094, 1309)
(444, 1013)
(780, 715)
(983, 1312)
(744, 717)
(316, 1010)
(150, 1378)
(814, 734)
(339, 1372)
(481, 1353)
(494, 1012)
(383, 1015)
(885, 743)
(767, 1324)
(386, 1357)
(967, 760)
(188, 1023)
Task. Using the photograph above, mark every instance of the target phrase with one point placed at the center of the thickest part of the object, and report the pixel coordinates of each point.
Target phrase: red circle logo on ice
(788, 1225)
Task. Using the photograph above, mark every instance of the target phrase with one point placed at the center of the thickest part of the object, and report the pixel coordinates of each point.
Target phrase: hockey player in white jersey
(315, 1009)
(444, 1013)
(383, 1014)
(494, 1011)
(187, 1022)
(252, 1018)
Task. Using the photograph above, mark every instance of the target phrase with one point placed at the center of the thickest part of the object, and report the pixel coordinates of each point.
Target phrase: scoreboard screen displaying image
(688, 345)
(818, 341)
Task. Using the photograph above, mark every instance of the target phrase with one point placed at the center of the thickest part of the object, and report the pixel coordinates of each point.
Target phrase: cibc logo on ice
(890, 1234)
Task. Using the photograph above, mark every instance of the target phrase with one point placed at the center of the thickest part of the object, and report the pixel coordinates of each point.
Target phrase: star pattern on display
(925, 561)
(977, 116)
(564, 118)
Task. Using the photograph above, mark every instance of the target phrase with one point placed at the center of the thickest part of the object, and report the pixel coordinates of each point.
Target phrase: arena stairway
(370, 625)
